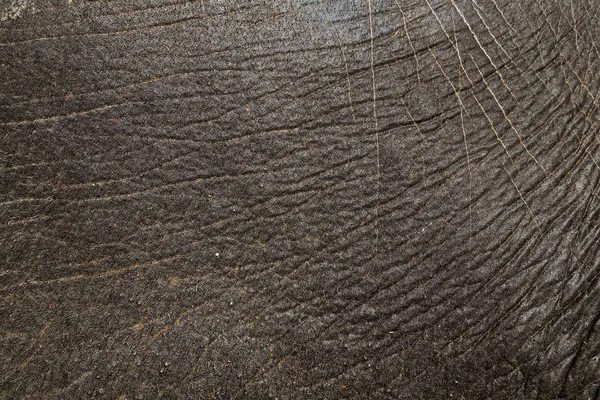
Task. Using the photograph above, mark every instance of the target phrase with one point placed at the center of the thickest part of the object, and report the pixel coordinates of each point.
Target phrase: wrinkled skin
(299, 200)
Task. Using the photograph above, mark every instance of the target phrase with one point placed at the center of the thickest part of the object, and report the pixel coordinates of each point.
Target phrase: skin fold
(375, 199)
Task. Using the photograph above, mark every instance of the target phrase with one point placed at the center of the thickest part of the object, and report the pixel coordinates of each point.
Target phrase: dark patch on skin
(296, 200)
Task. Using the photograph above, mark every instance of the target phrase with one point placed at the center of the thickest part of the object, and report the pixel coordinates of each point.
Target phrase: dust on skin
(15, 9)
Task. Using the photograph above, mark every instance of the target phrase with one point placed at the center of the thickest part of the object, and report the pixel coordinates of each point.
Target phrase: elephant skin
(377, 199)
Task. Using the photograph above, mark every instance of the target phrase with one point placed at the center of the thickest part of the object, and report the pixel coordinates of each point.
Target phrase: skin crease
(299, 200)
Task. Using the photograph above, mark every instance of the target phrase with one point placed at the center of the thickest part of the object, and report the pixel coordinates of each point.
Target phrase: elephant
(375, 199)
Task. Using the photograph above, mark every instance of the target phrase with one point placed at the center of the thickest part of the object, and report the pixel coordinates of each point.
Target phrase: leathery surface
(372, 199)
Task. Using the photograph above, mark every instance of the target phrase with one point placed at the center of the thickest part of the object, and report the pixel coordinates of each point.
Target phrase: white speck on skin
(217, 254)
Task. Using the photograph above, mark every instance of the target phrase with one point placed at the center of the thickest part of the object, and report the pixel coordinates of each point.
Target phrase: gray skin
(299, 200)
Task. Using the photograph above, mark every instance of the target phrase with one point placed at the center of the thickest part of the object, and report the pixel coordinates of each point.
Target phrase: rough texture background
(372, 199)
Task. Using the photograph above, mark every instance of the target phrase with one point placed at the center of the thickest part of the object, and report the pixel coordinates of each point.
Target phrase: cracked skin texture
(300, 200)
